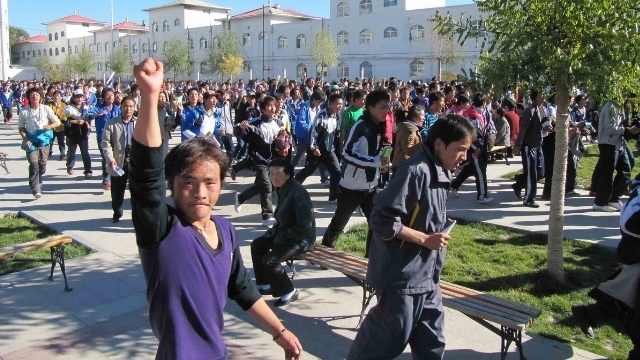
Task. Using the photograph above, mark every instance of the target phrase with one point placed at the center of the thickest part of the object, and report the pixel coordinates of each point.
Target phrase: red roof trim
(258, 12)
(76, 18)
(37, 38)
(125, 25)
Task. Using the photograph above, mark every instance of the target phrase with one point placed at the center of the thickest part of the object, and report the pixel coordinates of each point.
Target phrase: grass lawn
(16, 230)
(511, 265)
(585, 166)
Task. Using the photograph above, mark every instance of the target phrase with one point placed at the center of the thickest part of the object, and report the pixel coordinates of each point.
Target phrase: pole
(263, 36)
(111, 27)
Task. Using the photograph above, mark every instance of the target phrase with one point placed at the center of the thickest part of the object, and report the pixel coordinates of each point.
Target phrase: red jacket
(514, 123)
(388, 129)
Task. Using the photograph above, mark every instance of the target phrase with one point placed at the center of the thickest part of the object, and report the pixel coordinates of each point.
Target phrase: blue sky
(30, 15)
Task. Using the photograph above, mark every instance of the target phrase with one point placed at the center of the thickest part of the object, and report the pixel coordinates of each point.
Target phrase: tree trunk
(440, 69)
(555, 242)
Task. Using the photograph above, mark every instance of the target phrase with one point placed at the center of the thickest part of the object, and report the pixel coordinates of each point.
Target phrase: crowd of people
(392, 149)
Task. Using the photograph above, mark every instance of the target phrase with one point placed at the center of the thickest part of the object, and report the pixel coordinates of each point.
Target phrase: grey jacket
(611, 126)
(224, 112)
(415, 197)
(530, 133)
(296, 220)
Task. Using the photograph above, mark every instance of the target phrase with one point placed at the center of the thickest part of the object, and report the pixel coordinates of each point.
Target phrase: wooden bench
(3, 161)
(55, 243)
(512, 317)
(500, 150)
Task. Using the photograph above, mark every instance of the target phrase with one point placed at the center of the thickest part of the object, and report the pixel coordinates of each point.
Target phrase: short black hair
(462, 99)
(377, 96)
(434, 97)
(415, 111)
(106, 90)
(579, 98)
(533, 94)
(359, 94)
(479, 100)
(266, 100)
(335, 97)
(285, 164)
(448, 89)
(181, 159)
(192, 89)
(318, 95)
(520, 106)
(127, 98)
(449, 129)
(509, 105)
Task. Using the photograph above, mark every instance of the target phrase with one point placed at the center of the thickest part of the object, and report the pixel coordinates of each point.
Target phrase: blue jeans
(106, 178)
(226, 143)
(241, 148)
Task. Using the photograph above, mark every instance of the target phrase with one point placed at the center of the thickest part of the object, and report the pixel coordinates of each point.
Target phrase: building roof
(197, 3)
(124, 26)
(34, 39)
(75, 19)
(273, 10)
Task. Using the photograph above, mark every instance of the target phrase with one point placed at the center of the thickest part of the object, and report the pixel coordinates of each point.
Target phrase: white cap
(78, 92)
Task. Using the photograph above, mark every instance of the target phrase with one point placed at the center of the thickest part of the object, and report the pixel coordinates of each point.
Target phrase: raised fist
(149, 76)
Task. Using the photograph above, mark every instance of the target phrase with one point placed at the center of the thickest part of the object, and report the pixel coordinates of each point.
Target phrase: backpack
(282, 143)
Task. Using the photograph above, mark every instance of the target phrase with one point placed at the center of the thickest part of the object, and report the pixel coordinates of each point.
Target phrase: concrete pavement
(105, 317)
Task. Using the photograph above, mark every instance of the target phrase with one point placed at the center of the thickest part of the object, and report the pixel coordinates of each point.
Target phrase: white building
(380, 38)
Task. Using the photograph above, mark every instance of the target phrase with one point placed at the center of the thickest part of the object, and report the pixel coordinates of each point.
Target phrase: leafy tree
(225, 54)
(120, 62)
(82, 63)
(445, 50)
(16, 34)
(324, 50)
(176, 57)
(43, 65)
(562, 44)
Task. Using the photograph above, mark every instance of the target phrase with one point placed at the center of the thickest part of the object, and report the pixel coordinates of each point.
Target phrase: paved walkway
(105, 317)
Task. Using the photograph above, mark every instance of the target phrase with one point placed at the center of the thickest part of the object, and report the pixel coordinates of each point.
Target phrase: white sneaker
(616, 205)
(37, 195)
(270, 221)
(454, 192)
(485, 200)
(237, 205)
(603, 208)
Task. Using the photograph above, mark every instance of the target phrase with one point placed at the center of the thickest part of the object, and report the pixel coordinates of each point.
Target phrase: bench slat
(490, 309)
(34, 245)
(525, 309)
(465, 309)
(334, 264)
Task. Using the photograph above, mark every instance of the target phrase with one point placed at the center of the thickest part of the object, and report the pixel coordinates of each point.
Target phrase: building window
(190, 40)
(261, 36)
(155, 47)
(417, 68)
(283, 42)
(28, 52)
(366, 7)
(154, 27)
(62, 50)
(388, 3)
(85, 24)
(390, 32)
(246, 66)
(62, 34)
(203, 43)
(203, 67)
(115, 44)
(343, 70)
(84, 47)
(98, 47)
(301, 41)
(106, 47)
(366, 37)
(165, 26)
(164, 46)
(50, 37)
(145, 48)
(367, 69)
(134, 48)
(322, 70)
(24, 55)
(301, 70)
(216, 42)
(90, 47)
(176, 22)
(246, 39)
(343, 9)
(70, 51)
(56, 36)
(99, 66)
(478, 27)
(57, 52)
(39, 53)
(126, 48)
(206, 11)
(343, 38)
(417, 33)
(50, 52)
(76, 49)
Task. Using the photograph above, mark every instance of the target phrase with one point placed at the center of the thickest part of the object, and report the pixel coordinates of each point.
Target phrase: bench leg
(508, 336)
(57, 256)
(368, 293)
(292, 265)
(3, 163)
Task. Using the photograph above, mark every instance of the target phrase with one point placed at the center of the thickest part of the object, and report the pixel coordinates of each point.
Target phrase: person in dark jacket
(528, 145)
(409, 247)
(191, 259)
(292, 235)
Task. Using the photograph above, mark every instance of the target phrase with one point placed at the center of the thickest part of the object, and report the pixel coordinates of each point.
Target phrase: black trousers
(267, 264)
(58, 136)
(528, 180)
(571, 174)
(118, 188)
(330, 161)
(477, 168)
(261, 186)
(348, 201)
(398, 320)
(83, 143)
(609, 189)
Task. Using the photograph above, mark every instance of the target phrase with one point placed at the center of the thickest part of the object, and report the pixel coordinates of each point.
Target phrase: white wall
(422, 4)
(5, 55)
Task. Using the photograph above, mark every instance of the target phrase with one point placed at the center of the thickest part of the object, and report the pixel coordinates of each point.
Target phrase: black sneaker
(281, 302)
(531, 204)
(265, 292)
(545, 197)
(517, 191)
(582, 320)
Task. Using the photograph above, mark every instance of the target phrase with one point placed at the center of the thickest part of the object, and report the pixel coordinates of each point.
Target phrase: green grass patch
(17, 230)
(511, 265)
(585, 166)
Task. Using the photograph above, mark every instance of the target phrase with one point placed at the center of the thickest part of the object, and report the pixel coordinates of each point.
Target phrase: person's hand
(103, 112)
(316, 152)
(476, 154)
(291, 345)
(516, 149)
(27, 144)
(384, 170)
(436, 241)
(222, 132)
(149, 76)
(179, 107)
(635, 130)
(244, 124)
(384, 162)
(168, 128)
(113, 164)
